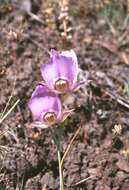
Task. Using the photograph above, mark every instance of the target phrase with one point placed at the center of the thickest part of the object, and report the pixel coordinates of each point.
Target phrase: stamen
(61, 85)
(49, 117)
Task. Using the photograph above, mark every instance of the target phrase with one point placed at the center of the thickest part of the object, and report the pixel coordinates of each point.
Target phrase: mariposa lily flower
(60, 73)
(46, 108)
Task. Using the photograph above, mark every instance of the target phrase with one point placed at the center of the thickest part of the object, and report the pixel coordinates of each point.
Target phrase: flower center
(49, 117)
(61, 85)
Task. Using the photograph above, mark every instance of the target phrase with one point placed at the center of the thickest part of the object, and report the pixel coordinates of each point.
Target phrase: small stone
(123, 165)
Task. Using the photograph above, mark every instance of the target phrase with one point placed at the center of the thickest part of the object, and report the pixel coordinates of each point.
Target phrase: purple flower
(60, 73)
(46, 107)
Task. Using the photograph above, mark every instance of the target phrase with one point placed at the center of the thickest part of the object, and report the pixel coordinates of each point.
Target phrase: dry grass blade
(82, 181)
(2, 133)
(3, 147)
(9, 99)
(3, 152)
(9, 111)
(113, 48)
(112, 29)
(70, 145)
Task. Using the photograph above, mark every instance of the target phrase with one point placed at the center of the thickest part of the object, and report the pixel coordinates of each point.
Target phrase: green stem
(56, 138)
(60, 171)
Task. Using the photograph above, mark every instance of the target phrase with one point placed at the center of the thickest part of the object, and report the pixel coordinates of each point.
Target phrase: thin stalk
(56, 138)
(60, 171)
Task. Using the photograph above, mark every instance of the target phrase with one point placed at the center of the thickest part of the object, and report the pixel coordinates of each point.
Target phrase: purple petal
(43, 101)
(71, 54)
(67, 64)
(60, 66)
(49, 73)
(73, 66)
(54, 53)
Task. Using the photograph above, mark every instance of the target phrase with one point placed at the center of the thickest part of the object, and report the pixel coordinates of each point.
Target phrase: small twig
(82, 181)
(70, 144)
(120, 100)
(25, 6)
(36, 18)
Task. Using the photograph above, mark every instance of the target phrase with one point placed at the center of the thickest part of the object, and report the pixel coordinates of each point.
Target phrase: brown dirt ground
(99, 157)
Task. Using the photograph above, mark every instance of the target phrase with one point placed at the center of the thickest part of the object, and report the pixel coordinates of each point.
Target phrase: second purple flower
(60, 73)
(46, 108)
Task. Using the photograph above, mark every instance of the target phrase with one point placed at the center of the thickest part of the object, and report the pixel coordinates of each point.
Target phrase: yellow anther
(61, 85)
(49, 117)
